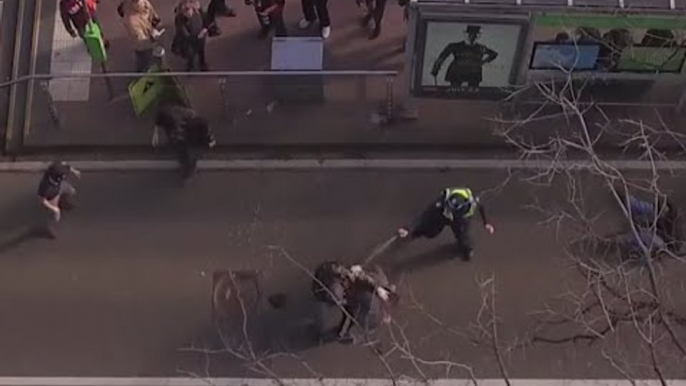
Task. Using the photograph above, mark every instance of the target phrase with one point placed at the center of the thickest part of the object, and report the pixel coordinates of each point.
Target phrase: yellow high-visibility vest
(464, 192)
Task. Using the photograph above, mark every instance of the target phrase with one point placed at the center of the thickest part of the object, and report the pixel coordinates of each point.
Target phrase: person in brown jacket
(141, 21)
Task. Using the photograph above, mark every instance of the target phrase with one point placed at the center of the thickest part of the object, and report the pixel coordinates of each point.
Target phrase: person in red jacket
(76, 14)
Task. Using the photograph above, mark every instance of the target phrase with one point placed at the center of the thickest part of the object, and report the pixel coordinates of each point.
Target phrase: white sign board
(297, 53)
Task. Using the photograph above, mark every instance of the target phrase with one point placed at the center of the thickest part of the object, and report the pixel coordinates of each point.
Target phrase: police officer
(453, 208)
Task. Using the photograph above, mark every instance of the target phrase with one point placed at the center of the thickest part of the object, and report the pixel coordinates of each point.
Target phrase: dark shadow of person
(33, 232)
(424, 260)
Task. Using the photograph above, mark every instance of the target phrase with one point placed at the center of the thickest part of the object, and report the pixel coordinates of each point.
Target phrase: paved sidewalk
(248, 115)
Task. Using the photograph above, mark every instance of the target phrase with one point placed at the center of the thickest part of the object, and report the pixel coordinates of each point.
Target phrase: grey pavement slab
(127, 283)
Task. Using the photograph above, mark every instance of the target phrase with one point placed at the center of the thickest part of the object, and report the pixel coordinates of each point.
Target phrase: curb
(341, 164)
(198, 381)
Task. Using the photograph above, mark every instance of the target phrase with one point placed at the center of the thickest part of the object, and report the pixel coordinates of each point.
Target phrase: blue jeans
(642, 212)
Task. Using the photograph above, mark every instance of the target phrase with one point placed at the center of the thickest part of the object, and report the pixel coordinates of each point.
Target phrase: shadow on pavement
(423, 260)
(17, 240)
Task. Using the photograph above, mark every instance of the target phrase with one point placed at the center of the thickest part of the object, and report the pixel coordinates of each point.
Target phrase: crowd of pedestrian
(195, 22)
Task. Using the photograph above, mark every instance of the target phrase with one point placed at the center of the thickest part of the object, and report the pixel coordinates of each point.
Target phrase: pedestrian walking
(191, 34)
(56, 193)
(270, 16)
(375, 11)
(141, 22)
(453, 208)
(314, 10)
(77, 14)
(188, 135)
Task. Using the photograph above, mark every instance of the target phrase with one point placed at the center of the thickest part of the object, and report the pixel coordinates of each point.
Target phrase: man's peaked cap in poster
(473, 29)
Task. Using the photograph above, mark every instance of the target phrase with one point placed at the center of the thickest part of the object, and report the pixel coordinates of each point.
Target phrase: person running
(453, 208)
(55, 193)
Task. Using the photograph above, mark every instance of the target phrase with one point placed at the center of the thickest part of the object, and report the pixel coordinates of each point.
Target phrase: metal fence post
(390, 80)
(108, 81)
(52, 109)
(224, 91)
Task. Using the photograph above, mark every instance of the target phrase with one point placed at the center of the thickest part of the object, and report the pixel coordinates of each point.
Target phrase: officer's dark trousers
(430, 226)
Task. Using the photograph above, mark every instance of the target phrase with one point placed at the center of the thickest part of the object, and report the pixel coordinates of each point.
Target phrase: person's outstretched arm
(482, 213)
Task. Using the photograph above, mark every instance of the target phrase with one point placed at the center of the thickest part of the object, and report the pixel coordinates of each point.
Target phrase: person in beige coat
(141, 22)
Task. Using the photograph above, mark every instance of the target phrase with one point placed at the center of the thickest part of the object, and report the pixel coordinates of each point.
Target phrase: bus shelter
(486, 48)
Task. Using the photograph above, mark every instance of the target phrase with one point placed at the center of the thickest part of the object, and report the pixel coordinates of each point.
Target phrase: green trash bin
(95, 44)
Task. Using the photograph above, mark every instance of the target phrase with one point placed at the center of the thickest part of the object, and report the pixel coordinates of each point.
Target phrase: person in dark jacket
(55, 192)
(191, 34)
(270, 16)
(188, 134)
(453, 208)
(76, 14)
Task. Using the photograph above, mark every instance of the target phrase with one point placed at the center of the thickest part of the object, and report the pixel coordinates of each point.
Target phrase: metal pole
(16, 79)
(108, 81)
(389, 99)
(52, 109)
(223, 90)
(208, 74)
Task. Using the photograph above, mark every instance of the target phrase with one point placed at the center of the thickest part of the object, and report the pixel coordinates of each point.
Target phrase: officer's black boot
(465, 252)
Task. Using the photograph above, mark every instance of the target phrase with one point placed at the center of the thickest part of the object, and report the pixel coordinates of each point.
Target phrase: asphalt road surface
(125, 289)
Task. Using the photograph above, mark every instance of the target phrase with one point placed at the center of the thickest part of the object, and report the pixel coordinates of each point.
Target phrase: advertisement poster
(598, 44)
(463, 59)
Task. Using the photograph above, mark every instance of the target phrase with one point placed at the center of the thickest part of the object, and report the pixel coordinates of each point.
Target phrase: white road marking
(343, 164)
(76, 381)
(69, 56)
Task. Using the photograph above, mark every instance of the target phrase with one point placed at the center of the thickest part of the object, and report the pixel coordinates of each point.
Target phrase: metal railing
(208, 74)
(384, 89)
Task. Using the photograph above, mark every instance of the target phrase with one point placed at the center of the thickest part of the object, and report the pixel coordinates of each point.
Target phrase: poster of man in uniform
(467, 59)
